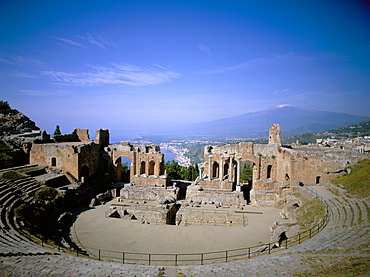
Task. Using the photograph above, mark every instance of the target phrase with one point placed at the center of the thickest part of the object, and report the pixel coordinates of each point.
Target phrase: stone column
(238, 171)
(147, 164)
(210, 167)
(231, 169)
(221, 168)
(238, 188)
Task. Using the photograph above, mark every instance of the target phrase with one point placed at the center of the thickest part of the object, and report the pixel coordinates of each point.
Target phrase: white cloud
(70, 42)
(21, 60)
(17, 74)
(98, 40)
(43, 93)
(121, 74)
(272, 60)
(204, 48)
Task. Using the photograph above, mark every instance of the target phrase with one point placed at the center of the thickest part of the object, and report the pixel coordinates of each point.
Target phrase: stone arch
(84, 174)
(161, 168)
(287, 181)
(121, 175)
(215, 170)
(142, 167)
(151, 167)
(269, 171)
(226, 170)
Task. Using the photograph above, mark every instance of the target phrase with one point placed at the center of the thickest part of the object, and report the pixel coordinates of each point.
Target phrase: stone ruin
(277, 170)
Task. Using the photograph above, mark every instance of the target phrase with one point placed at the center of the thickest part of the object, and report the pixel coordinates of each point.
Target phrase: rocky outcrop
(16, 129)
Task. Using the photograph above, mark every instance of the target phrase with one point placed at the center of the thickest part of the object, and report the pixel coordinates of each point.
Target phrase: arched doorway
(84, 174)
(269, 170)
(151, 168)
(215, 170)
(246, 178)
(123, 169)
(142, 167)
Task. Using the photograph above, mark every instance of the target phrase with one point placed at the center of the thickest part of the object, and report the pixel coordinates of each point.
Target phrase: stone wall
(197, 216)
(219, 196)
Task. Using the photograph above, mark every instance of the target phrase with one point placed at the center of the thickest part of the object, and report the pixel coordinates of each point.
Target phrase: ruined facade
(147, 163)
(84, 159)
(276, 169)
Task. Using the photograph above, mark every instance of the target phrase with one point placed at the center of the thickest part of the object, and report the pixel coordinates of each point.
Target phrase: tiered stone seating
(347, 232)
(11, 242)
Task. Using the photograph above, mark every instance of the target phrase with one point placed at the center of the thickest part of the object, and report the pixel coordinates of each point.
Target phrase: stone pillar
(221, 168)
(210, 167)
(238, 171)
(231, 169)
(146, 164)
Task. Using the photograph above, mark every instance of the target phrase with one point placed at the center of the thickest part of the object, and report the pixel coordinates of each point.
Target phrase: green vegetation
(46, 194)
(6, 158)
(40, 218)
(310, 213)
(195, 153)
(178, 172)
(57, 131)
(357, 183)
(337, 266)
(12, 176)
(247, 173)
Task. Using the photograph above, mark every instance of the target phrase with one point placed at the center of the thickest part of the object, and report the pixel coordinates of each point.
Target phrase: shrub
(12, 176)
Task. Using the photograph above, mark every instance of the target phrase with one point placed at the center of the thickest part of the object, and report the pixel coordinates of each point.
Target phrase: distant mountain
(293, 121)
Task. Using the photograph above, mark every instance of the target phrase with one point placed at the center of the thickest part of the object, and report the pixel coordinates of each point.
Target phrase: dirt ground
(94, 231)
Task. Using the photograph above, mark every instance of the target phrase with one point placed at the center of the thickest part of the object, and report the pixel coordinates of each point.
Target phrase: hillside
(15, 129)
(294, 121)
(357, 183)
(361, 129)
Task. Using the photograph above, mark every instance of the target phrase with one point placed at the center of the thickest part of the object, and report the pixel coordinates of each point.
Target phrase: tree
(247, 173)
(125, 176)
(57, 131)
(173, 170)
(46, 194)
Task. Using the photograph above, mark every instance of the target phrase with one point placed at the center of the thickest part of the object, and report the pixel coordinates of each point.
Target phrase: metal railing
(208, 257)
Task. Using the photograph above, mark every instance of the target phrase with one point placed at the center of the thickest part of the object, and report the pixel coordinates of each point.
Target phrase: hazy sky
(138, 64)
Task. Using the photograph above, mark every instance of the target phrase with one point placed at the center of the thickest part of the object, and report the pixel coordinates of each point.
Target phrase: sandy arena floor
(93, 230)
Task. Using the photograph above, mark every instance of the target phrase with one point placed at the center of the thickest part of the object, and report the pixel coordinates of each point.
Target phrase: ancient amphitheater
(342, 242)
(337, 245)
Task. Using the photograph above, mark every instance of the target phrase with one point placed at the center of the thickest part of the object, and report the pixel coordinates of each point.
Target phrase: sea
(168, 155)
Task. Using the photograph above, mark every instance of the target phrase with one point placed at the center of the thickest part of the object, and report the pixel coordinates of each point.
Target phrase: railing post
(310, 232)
(176, 260)
(299, 238)
(123, 257)
(149, 259)
(201, 259)
(226, 255)
(286, 243)
(249, 252)
(99, 254)
(269, 248)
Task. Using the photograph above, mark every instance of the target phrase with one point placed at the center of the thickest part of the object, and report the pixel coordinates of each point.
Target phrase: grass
(337, 266)
(357, 183)
(310, 213)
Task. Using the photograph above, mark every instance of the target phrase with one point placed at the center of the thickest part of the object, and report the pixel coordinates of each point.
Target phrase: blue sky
(133, 65)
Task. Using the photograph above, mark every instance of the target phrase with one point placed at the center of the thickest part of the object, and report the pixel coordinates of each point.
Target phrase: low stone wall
(148, 193)
(191, 216)
(144, 214)
(232, 198)
(150, 181)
